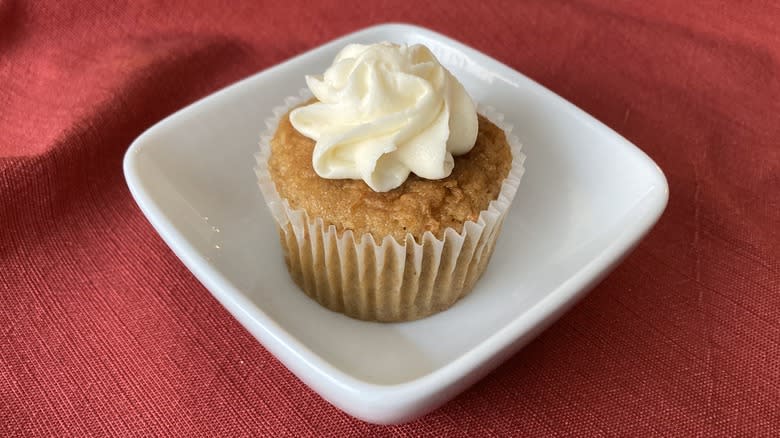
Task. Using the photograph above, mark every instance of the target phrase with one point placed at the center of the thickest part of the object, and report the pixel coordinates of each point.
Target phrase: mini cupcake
(389, 190)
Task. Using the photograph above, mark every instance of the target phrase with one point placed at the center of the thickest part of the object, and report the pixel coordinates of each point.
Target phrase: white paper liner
(387, 281)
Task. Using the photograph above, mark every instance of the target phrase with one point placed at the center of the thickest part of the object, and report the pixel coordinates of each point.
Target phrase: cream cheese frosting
(383, 111)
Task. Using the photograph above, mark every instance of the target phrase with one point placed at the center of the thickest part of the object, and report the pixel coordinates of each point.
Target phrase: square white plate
(587, 197)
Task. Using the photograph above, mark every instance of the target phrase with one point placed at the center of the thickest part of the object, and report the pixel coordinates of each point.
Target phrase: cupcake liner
(385, 281)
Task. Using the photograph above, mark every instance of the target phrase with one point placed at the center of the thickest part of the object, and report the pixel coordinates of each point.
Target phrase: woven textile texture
(105, 333)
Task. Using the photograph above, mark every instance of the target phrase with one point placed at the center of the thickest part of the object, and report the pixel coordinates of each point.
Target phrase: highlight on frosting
(383, 111)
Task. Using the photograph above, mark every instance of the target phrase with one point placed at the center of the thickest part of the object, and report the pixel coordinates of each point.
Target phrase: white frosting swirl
(386, 110)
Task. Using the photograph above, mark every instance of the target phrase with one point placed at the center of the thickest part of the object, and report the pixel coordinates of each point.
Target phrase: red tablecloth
(105, 333)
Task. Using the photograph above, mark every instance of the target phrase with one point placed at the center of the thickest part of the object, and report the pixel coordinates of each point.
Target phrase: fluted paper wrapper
(385, 281)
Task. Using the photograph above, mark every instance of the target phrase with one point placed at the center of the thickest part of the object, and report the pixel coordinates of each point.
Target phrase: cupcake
(388, 188)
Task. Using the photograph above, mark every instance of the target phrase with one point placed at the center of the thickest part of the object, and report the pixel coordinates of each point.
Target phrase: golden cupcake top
(417, 206)
(383, 112)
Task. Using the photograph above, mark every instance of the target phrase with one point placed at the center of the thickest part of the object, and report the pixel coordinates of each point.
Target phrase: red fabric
(105, 333)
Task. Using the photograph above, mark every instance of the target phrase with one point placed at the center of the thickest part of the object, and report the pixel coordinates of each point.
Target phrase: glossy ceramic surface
(587, 197)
